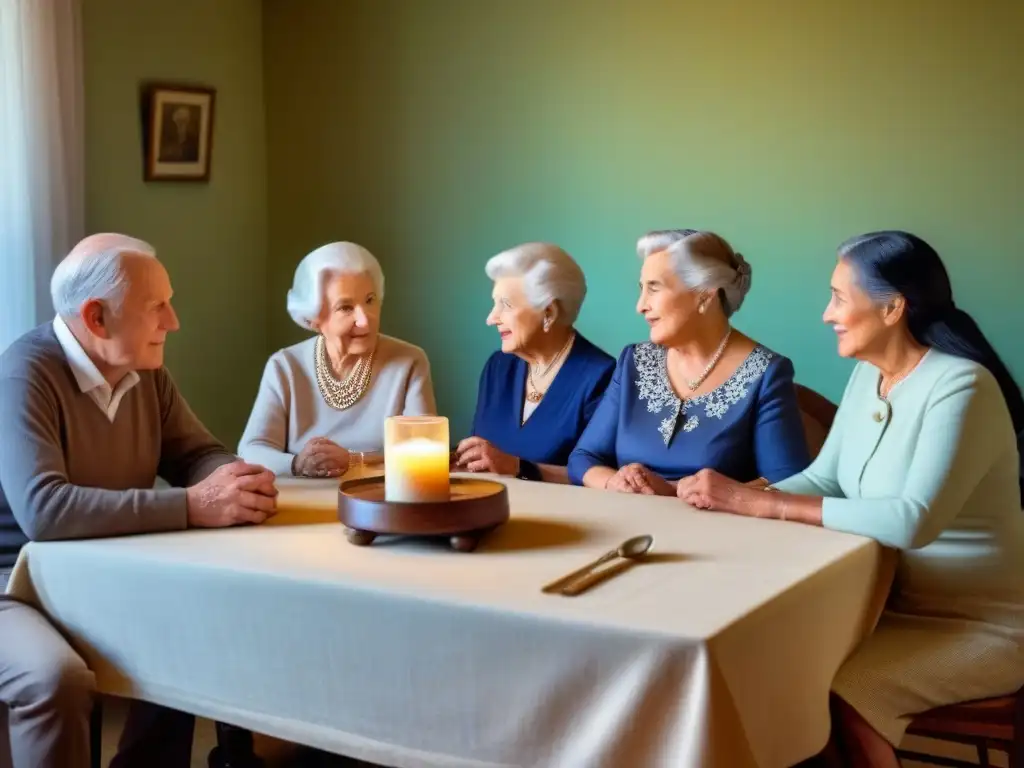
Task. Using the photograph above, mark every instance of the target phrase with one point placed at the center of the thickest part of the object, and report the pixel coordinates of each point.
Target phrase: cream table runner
(718, 652)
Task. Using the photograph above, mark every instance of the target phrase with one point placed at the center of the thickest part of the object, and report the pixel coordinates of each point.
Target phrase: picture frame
(177, 132)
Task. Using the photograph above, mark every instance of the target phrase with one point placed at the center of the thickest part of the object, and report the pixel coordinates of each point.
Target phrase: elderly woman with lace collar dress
(699, 394)
(322, 403)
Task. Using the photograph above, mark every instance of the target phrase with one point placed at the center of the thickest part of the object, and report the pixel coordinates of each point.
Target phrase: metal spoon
(630, 549)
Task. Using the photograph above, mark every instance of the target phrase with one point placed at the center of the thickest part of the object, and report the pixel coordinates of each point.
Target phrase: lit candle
(416, 459)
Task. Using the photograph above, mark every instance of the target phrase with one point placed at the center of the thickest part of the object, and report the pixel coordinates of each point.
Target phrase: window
(41, 153)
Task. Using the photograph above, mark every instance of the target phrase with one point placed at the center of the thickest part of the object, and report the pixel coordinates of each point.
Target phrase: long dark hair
(897, 263)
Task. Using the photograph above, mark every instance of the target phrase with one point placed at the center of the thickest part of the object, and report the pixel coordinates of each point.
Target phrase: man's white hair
(703, 261)
(549, 275)
(95, 270)
(306, 297)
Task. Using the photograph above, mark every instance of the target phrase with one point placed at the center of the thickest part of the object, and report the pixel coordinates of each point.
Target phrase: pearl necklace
(884, 392)
(533, 393)
(341, 394)
(693, 384)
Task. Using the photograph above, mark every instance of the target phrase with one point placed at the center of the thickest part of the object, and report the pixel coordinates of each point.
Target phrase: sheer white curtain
(42, 147)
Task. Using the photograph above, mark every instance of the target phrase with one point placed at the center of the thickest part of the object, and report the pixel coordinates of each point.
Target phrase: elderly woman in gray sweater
(322, 403)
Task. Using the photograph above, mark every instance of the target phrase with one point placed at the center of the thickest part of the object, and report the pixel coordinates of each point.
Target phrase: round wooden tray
(475, 508)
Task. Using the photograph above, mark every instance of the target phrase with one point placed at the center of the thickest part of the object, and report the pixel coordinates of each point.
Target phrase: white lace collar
(653, 386)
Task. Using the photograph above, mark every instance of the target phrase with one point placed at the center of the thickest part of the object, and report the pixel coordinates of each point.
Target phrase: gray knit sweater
(67, 472)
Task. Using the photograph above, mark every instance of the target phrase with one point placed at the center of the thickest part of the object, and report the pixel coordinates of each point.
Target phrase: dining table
(715, 649)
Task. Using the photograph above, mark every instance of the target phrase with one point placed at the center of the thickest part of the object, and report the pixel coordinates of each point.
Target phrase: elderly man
(88, 419)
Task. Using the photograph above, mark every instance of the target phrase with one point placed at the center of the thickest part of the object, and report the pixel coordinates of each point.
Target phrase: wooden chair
(96, 733)
(817, 413)
(987, 724)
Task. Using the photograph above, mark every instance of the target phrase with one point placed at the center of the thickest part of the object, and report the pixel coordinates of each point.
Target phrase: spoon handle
(583, 583)
(557, 584)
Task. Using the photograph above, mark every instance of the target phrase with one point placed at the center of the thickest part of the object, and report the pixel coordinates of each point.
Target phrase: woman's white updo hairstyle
(703, 261)
(549, 275)
(306, 297)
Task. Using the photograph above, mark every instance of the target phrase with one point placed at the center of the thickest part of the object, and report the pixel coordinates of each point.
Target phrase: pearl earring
(701, 307)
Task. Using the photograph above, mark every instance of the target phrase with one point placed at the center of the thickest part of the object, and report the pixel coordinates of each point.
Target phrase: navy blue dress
(551, 432)
(749, 427)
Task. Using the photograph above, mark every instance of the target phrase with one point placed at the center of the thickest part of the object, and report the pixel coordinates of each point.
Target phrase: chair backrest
(817, 413)
(989, 724)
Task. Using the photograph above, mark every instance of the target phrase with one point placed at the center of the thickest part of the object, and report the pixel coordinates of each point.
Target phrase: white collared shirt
(90, 380)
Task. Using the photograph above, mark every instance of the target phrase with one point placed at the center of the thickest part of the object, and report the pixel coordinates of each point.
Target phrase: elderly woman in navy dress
(539, 391)
(699, 393)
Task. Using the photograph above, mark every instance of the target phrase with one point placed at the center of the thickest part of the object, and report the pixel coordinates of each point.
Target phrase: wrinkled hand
(474, 454)
(321, 458)
(636, 478)
(233, 494)
(709, 489)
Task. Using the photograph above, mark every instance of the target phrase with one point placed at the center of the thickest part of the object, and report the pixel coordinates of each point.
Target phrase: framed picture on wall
(178, 132)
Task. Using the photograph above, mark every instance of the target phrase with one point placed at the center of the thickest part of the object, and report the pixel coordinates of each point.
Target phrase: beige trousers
(46, 690)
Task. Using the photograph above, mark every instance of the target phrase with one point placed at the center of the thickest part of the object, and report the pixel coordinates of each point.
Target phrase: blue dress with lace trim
(748, 427)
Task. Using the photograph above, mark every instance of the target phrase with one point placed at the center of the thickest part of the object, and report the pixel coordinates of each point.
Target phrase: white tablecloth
(718, 652)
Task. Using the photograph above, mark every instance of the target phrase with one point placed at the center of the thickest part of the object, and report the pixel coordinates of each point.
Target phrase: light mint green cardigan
(932, 472)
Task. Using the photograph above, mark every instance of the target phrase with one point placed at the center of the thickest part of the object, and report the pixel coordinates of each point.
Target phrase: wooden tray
(475, 508)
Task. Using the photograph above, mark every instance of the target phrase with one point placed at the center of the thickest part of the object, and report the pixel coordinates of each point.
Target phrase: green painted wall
(212, 237)
(437, 133)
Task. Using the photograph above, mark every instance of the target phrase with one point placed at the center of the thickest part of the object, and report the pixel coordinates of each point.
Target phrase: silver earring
(547, 325)
(701, 307)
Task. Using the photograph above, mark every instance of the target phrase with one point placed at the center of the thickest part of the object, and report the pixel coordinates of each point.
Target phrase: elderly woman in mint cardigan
(539, 391)
(924, 457)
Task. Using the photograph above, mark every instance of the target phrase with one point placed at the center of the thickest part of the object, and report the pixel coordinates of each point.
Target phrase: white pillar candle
(416, 459)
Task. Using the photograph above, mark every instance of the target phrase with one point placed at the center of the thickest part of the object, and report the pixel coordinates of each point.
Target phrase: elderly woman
(924, 456)
(698, 394)
(322, 402)
(538, 393)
